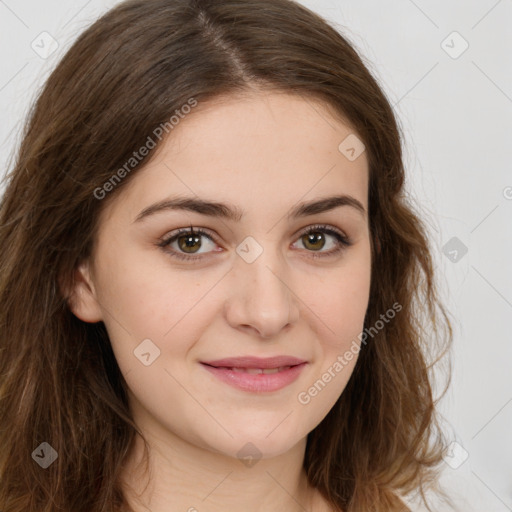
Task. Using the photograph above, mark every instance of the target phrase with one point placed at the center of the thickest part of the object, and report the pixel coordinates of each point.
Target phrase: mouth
(257, 375)
(254, 371)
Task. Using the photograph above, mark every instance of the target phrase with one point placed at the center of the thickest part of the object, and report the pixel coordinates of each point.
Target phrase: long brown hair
(124, 77)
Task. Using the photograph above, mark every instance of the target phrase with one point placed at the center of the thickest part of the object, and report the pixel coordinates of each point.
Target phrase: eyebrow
(233, 213)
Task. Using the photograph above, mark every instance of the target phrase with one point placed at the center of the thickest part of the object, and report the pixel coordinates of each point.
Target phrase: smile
(256, 371)
(257, 380)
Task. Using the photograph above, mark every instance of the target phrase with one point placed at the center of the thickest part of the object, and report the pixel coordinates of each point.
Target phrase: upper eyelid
(209, 233)
(173, 235)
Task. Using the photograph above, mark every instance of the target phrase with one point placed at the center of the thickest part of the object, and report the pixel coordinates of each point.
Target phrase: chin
(262, 443)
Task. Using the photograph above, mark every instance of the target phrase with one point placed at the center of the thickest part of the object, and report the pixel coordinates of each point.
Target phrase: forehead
(261, 150)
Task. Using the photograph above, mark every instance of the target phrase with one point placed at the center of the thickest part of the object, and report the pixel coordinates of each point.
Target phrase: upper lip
(255, 362)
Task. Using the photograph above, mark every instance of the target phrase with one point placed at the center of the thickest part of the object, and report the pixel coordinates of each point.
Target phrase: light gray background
(456, 112)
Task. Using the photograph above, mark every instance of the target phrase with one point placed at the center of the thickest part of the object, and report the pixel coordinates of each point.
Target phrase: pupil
(315, 237)
(190, 241)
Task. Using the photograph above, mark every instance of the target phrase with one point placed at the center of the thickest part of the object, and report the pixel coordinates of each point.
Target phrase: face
(248, 282)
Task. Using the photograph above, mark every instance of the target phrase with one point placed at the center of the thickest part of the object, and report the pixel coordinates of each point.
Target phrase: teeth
(257, 371)
(254, 371)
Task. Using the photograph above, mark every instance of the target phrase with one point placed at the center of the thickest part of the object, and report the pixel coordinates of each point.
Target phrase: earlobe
(82, 297)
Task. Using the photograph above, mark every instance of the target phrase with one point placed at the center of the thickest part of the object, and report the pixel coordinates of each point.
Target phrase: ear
(82, 297)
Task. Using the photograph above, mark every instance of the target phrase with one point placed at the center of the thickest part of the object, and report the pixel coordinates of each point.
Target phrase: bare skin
(263, 153)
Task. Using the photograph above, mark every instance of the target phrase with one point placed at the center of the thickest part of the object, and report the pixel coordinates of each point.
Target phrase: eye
(314, 238)
(187, 239)
(189, 242)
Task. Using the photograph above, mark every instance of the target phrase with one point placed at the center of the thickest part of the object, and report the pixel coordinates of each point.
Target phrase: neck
(184, 477)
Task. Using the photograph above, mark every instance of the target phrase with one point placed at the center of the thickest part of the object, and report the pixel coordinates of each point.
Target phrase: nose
(261, 298)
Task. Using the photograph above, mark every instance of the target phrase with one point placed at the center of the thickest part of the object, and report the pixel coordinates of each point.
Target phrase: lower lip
(257, 382)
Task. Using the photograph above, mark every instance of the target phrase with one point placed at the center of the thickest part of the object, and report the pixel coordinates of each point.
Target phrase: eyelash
(343, 241)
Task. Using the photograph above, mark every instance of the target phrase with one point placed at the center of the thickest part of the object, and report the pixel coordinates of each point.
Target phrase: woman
(214, 293)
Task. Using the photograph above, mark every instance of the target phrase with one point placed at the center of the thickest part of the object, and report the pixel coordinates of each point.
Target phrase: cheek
(340, 302)
(339, 313)
(143, 301)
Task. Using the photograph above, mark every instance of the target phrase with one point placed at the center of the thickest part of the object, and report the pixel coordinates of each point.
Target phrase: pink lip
(255, 362)
(224, 370)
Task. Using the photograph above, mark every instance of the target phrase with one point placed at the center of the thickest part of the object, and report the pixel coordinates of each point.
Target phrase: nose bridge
(260, 297)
